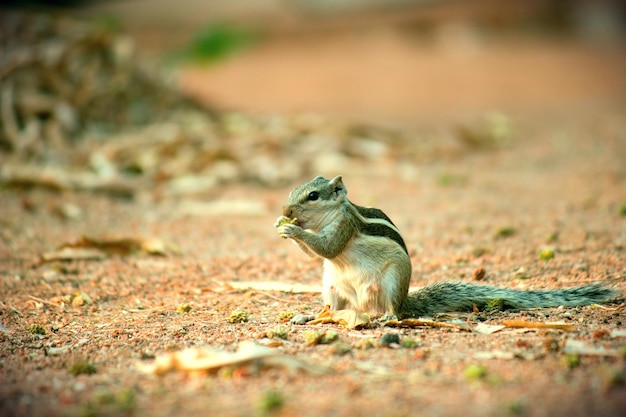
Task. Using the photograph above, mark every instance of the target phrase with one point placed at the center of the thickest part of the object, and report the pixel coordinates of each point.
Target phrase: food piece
(287, 220)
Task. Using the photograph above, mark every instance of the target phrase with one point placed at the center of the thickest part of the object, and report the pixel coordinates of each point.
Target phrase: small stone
(390, 338)
(238, 317)
(479, 274)
(183, 308)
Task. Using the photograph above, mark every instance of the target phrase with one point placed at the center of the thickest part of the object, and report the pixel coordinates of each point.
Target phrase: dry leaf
(99, 248)
(69, 254)
(81, 299)
(456, 324)
(58, 350)
(495, 354)
(200, 361)
(578, 347)
(123, 245)
(288, 287)
(29, 176)
(538, 325)
(347, 318)
(59, 179)
(618, 333)
(601, 307)
(506, 355)
(483, 328)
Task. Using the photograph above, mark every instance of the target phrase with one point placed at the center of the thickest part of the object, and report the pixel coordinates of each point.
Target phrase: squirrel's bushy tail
(443, 297)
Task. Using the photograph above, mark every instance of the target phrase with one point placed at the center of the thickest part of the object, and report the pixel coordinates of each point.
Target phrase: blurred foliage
(44, 3)
(109, 23)
(62, 78)
(218, 41)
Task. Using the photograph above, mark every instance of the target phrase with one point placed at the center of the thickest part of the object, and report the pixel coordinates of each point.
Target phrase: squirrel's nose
(287, 211)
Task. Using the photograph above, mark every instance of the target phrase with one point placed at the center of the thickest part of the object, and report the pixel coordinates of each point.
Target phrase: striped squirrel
(367, 266)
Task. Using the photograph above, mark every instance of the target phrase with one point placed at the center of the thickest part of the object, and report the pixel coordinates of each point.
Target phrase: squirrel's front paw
(287, 227)
(288, 230)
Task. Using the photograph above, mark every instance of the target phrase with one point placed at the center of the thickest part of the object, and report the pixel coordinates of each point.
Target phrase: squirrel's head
(314, 201)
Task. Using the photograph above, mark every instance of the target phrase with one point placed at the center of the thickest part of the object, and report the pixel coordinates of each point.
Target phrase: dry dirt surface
(527, 200)
(560, 187)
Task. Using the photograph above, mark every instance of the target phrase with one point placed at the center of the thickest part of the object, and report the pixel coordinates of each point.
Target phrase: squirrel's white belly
(366, 274)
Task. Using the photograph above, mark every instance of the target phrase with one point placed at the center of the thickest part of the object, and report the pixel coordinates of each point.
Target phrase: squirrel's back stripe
(373, 222)
(372, 213)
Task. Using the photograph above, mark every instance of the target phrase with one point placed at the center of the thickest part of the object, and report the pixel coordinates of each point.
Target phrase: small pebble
(390, 338)
(302, 318)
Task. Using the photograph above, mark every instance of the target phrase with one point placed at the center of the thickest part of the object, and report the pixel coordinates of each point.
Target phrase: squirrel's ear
(336, 184)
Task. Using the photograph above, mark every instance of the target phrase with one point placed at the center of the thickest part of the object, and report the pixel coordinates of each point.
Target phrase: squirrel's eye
(313, 195)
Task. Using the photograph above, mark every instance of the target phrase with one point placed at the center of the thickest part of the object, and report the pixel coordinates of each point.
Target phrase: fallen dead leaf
(618, 333)
(484, 328)
(507, 355)
(538, 325)
(33, 177)
(578, 347)
(125, 245)
(59, 179)
(69, 254)
(294, 288)
(95, 248)
(54, 301)
(601, 307)
(58, 350)
(80, 299)
(456, 324)
(202, 361)
(495, 354)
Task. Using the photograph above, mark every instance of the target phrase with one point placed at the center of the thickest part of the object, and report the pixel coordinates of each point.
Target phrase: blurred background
(87, 68)
(390, 59)
(383, 59)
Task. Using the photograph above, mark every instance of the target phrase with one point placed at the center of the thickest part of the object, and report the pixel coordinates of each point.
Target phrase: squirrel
(367, 268)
